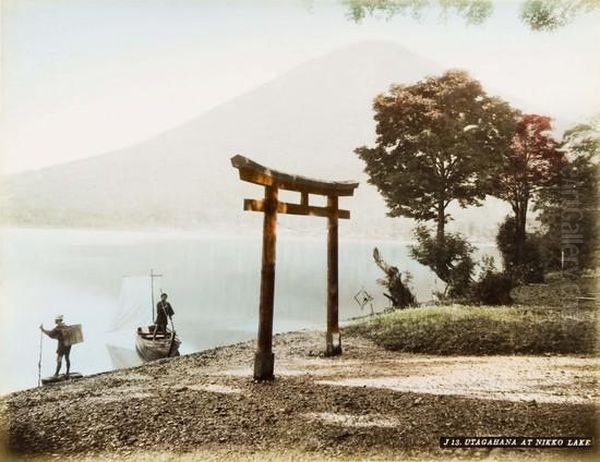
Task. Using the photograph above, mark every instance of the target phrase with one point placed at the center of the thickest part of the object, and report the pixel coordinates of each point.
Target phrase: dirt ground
(367, 404)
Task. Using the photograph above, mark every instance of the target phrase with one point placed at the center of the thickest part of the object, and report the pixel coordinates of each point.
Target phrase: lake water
(212, 280)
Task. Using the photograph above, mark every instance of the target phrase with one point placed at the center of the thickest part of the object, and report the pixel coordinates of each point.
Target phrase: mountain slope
(307, 121)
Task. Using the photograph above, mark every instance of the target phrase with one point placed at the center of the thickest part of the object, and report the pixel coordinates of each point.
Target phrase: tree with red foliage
(531, 163)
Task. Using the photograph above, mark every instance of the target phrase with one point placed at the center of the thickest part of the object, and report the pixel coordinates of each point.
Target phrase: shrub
(493, 288)
(451, 260)
(529, 266)
(399, 293)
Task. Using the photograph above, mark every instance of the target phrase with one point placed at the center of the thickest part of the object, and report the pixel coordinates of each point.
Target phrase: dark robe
(163, 311)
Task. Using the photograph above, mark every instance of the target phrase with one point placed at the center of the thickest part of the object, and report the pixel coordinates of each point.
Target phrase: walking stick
(40, 360)
(172, 336)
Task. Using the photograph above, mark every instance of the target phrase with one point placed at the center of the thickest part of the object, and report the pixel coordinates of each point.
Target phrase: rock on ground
(367, 404)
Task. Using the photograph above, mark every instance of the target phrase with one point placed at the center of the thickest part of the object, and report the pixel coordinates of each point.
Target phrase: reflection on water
(212, 281)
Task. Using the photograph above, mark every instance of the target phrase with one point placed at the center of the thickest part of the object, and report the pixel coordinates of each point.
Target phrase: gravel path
(368, 403)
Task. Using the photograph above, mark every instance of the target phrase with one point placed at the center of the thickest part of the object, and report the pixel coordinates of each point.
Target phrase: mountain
(307, 121)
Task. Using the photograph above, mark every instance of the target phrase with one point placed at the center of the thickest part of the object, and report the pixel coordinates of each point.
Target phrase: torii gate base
(273, 180)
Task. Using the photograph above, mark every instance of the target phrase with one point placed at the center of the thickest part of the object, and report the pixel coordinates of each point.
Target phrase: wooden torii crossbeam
(273, 181)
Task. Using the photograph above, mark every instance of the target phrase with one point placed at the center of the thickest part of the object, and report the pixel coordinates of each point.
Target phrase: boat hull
(151, 348)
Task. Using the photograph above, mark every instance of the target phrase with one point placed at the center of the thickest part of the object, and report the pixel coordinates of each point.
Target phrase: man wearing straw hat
(63, 349)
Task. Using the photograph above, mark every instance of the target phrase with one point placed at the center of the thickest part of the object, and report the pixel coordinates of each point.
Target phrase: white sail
(135, 304)
(122, 357)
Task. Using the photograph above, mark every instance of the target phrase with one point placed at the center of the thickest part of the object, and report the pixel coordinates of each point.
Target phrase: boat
(151, 346)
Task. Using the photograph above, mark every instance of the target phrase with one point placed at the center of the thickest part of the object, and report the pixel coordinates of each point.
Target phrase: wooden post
(333, 338)
(273, 180)
(264, 358)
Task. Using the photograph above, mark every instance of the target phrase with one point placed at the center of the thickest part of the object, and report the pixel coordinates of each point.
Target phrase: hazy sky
(82, 77)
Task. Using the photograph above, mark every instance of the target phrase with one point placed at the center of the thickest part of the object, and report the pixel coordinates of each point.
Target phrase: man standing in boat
(164, 310)
(63, 349)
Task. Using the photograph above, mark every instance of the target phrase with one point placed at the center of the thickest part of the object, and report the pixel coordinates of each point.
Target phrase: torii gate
(273, 181)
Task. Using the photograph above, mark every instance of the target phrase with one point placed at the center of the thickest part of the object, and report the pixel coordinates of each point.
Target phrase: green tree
(522, 260)
(473, 11)
(451, 260)
(438, 141)
(569, 209)
(539, 15)
(547, 15)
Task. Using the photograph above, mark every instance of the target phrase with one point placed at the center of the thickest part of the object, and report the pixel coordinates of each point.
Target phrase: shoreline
(207, 231)
(367, 403)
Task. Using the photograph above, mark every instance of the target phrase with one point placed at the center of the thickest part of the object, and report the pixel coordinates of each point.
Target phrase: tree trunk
(520, 231)
(441, 222)
(441, 240)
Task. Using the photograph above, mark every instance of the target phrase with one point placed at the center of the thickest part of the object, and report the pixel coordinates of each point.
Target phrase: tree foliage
(569, 209)
(438, 141)
(451, 260)
(546, 15)
(522, 260)
(492, 287)
(531, 163)
(538, 15)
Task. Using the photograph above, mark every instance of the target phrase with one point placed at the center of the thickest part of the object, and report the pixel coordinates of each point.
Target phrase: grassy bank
(458, 330)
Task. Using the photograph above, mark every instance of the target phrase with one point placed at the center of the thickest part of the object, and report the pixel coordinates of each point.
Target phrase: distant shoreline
(222, 231)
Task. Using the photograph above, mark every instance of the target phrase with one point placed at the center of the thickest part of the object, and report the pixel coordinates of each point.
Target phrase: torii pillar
(273, 181)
